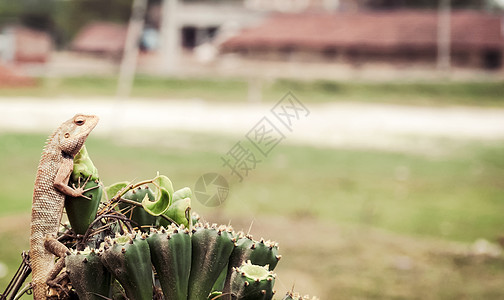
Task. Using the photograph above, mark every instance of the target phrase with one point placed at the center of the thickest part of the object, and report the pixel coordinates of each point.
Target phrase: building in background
(101, 38)
(20, 44)
(392, 37)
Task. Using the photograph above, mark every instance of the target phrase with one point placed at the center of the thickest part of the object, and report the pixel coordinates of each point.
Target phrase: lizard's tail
(39, 290)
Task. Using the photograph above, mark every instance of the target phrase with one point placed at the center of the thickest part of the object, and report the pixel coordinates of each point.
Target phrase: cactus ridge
(127, 257)
(211, 249)
(171, 256)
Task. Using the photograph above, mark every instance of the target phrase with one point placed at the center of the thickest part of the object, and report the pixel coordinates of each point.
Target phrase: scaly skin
(51, 186)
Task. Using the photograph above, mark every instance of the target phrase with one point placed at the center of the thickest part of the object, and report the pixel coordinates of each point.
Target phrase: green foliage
(84, 167)
(163, 197)
(179, 211)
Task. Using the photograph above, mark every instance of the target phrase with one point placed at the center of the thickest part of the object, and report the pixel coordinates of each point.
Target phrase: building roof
(31, 45)
(101, 37)
(391, 30)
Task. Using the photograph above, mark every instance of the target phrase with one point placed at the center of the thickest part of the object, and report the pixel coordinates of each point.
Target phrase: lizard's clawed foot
(58, 283)
(80, 187)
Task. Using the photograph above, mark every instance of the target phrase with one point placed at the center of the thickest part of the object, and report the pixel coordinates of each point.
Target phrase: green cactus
(211, 248)
(265, 253)
(128, 258)
(138, 214)
(262, 253)
(258, 252)
(171, 256)
(81, 211)
(88, 275)
(219, 283)
(252, 282)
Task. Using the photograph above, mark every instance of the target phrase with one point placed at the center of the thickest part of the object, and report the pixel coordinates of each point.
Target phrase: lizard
(51, 187)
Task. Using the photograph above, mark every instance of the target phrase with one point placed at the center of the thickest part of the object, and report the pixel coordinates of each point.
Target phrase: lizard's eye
(79, 122)
(67, 135)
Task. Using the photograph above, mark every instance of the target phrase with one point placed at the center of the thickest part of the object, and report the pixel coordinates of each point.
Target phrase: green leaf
(160, 204)
(113, 189)
(182, 194)
(163, 182)
(83, 166)
(179, 211)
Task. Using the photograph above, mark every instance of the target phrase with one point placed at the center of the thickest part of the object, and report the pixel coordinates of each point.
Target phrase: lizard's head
(74, 132)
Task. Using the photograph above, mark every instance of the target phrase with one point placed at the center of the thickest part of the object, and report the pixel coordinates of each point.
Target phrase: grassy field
(228, 90)
(352, 224)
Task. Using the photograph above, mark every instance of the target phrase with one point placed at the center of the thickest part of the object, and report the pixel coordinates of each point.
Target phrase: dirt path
(330, 124)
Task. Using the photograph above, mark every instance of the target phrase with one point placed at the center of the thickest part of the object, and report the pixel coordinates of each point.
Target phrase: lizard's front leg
(62, 178)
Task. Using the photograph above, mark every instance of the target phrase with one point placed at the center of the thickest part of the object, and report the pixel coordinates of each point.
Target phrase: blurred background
(383, 122)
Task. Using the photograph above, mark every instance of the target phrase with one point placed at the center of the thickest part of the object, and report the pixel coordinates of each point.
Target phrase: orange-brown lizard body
(51, 186)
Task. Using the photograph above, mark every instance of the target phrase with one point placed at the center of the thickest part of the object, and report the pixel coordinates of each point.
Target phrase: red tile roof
(32, 45)
(370, 30)
(101, 37)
